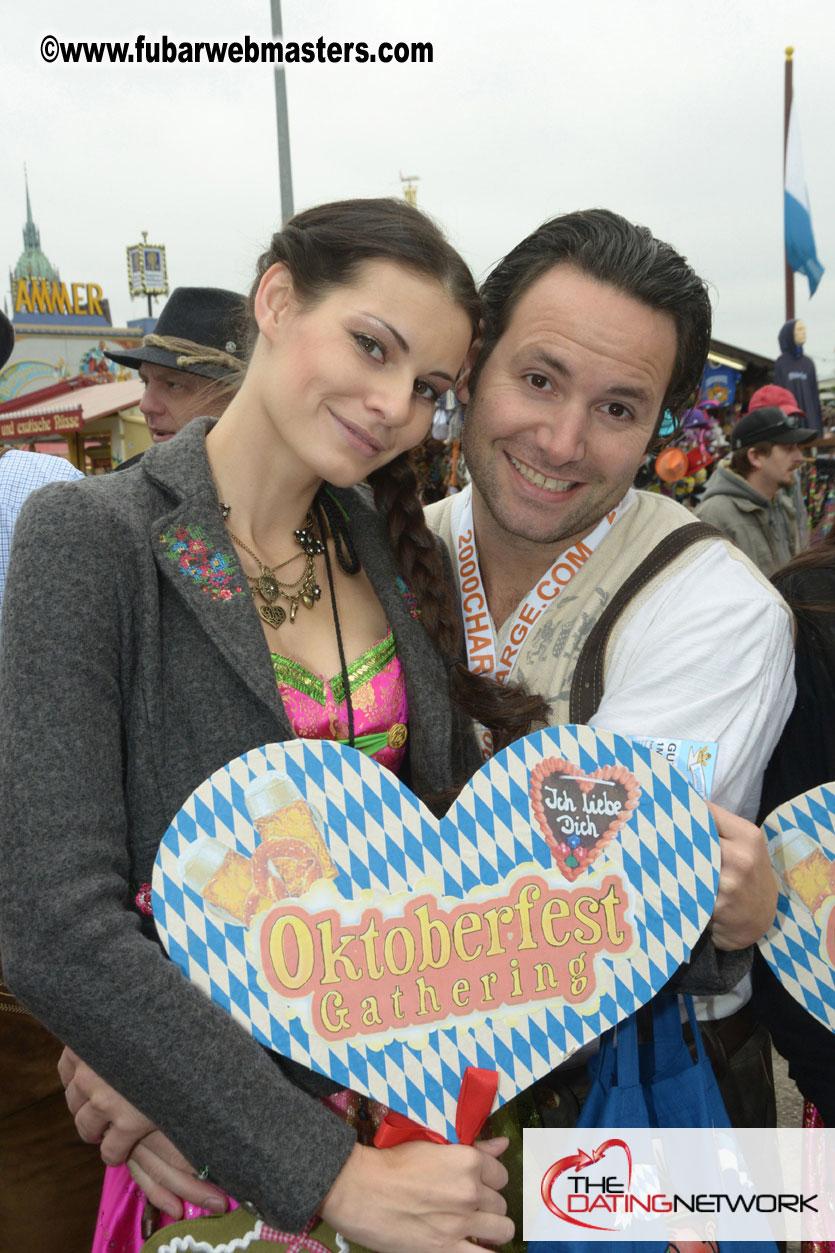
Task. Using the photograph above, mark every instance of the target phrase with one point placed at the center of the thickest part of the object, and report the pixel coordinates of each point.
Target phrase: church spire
(32, 263)
(31, 234)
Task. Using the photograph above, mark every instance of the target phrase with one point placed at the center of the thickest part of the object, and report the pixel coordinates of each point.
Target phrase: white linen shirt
(708, 656)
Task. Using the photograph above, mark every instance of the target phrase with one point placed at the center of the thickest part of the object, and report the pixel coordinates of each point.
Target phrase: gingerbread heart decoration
(579, 813)
(306, 890)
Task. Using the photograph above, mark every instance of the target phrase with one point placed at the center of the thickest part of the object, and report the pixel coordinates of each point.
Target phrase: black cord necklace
(320, 508)
(343, 542)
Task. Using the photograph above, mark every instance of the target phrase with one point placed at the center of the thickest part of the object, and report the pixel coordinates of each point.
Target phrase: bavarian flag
(800, 242)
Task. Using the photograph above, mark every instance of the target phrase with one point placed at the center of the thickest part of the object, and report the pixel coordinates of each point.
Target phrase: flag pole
(285, 171)
(786, 116)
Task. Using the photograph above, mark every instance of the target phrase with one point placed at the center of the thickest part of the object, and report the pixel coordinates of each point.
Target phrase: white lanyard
(482, 649)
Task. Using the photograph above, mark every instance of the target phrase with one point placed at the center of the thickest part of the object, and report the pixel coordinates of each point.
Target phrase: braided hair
(507, 712)
(323, 248)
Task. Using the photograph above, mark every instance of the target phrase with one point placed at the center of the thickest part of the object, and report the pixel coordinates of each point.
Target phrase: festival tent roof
(91, 402)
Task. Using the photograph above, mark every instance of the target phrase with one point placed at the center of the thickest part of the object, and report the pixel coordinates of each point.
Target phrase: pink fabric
(366, 1117)
(378, 697)
(119, 1225)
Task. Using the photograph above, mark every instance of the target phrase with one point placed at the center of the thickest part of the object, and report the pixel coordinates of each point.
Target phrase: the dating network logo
(582, 1194)
(683, 1183)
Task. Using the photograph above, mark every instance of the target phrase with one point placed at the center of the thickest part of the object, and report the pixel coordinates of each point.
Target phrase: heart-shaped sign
(800, 946)
(310, 893)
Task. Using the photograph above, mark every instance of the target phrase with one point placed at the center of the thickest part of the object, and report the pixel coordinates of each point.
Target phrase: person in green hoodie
(743, 498)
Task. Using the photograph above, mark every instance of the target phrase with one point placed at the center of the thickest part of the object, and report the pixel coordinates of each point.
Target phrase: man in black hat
(192, 362)
(743, 498)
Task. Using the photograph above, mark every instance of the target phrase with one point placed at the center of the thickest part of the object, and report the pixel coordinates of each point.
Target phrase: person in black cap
(192, 363)
(743, 498)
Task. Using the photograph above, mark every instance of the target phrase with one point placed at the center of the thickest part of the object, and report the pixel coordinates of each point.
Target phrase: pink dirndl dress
(317, 710)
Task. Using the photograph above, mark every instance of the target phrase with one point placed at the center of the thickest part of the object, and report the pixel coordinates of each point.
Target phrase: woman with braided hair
(239, 588)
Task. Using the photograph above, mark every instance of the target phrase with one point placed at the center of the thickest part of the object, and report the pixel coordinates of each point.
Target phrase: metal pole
(786, 115)
(285, 173)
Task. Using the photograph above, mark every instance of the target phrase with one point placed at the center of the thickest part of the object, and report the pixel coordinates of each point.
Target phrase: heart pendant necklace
(274, 615)
(269, 587)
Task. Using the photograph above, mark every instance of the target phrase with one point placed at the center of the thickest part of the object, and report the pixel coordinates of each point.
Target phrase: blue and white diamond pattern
(381, 838)
(792, 947)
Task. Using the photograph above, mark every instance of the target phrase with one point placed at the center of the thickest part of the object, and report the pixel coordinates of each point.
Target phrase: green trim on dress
(367, 666)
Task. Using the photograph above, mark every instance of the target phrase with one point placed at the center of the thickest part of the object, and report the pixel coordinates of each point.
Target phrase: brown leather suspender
(587, 684)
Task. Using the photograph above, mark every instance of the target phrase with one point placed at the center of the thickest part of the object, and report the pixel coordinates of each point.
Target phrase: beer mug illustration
(292, 854)
(806, 869)
(223, 877)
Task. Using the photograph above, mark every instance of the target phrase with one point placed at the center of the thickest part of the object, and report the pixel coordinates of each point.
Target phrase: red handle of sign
(475, 1100)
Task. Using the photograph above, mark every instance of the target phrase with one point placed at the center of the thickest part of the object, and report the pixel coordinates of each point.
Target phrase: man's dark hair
(740, 462)
(605, 246)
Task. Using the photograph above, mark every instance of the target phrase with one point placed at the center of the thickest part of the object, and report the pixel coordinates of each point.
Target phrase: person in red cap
(779, 397)
(743, 498)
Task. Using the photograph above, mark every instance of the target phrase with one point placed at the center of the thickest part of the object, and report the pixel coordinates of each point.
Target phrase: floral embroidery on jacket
(409, 597)
(143, 899)
(213, 572)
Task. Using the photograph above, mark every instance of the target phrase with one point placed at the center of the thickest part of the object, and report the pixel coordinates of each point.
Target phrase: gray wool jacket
(125, 681)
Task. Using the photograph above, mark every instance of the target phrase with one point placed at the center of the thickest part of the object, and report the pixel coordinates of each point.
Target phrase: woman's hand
(167, 1179)
(104, 1117)
(101, 1115)
(746, 901)
(421, 1196)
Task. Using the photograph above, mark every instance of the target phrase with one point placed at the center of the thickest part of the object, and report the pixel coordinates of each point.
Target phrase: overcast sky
(669, 111)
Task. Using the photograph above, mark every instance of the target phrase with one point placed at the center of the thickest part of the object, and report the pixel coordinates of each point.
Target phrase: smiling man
(608, 600)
